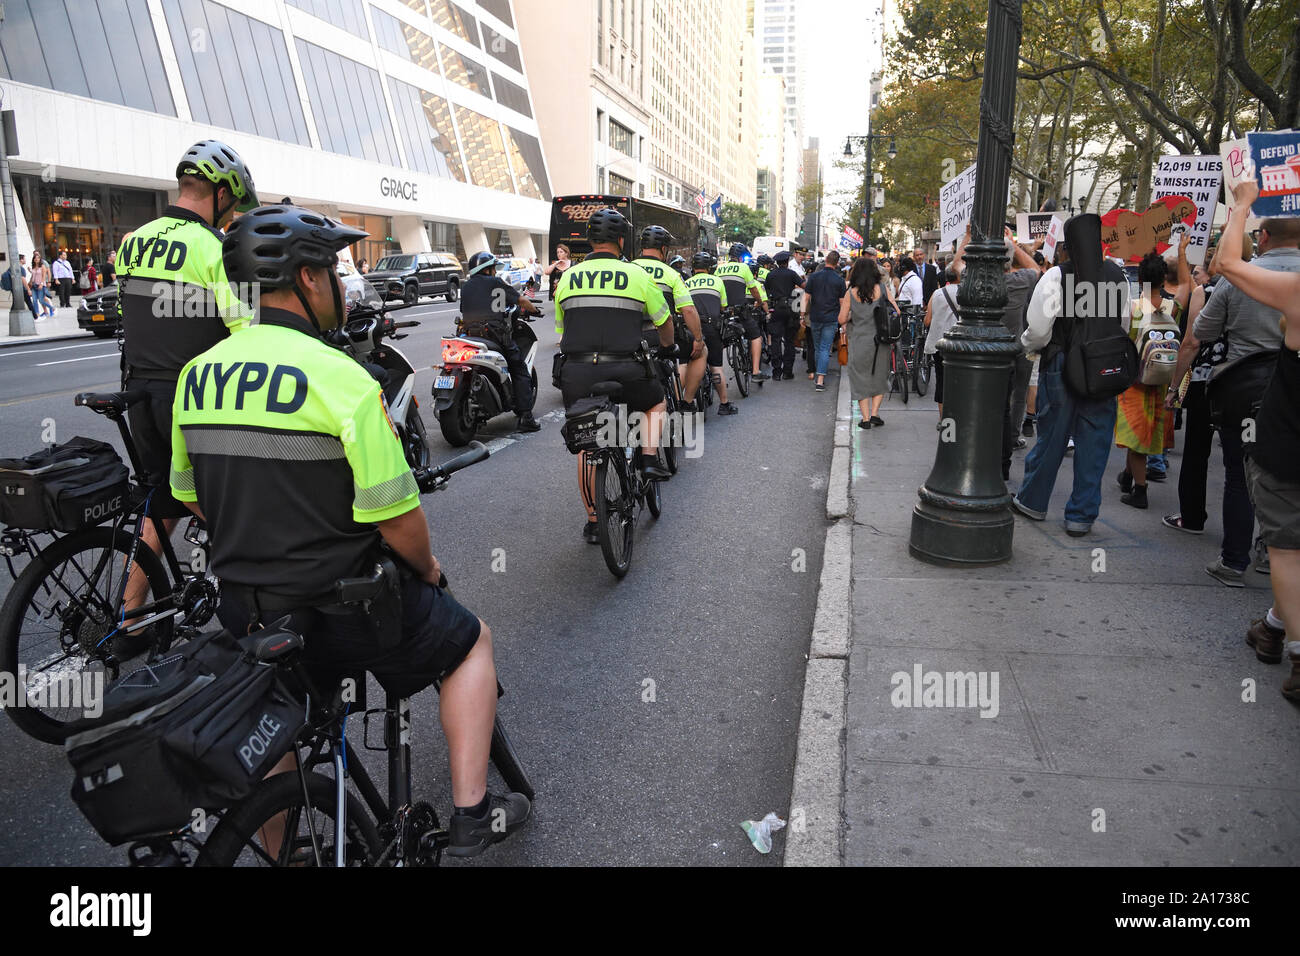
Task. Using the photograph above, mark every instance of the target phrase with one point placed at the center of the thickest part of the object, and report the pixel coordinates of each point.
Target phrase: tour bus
(569, 215)
(771, 245)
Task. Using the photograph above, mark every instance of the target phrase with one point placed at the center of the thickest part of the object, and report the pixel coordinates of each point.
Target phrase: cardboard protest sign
(1129, 235)
(1032, 226)
(1055, 233)
(1276, 158)
(1196, 177)
(956, 204)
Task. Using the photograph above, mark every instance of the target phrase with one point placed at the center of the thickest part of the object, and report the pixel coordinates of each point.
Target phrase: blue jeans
(1061, 416)
(823, 335)
(1158, 463)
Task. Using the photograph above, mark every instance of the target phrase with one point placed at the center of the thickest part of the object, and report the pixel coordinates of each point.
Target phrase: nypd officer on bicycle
(599, 309)
(284, 446)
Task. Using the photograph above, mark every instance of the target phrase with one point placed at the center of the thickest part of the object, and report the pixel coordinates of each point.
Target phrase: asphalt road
(654, 714)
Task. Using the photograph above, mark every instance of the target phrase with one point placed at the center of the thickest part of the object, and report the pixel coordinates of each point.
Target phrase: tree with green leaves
(740, 223)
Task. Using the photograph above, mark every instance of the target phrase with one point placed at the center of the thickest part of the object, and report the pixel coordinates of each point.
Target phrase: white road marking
(84, 358)
(5, 353)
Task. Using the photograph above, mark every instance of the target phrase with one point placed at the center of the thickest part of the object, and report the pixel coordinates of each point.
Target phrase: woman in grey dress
(857, 310)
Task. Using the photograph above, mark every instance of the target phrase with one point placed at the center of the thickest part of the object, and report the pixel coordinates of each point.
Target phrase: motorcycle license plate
(445, 381)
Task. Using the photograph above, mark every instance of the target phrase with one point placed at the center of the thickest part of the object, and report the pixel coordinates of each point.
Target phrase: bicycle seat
(613, 389)
(276, 643)
(106, 402)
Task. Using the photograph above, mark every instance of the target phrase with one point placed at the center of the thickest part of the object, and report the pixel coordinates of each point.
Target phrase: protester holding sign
(1144, 425)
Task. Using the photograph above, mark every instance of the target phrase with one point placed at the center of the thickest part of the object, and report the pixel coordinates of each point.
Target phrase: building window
(618, 186)
(342, 93)
(485, 151)
(464, 71)
(424, 122)
(622, 139)
(344, 14)
(227, 87)
(454, 20)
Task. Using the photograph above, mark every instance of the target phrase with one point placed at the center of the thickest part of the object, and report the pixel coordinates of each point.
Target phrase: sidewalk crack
(1031, 723)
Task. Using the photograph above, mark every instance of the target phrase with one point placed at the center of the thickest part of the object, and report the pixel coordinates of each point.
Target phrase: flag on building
(717, 209)
(702, 202)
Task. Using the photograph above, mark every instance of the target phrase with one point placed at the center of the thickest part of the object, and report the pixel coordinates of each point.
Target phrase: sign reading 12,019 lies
(1197, 178)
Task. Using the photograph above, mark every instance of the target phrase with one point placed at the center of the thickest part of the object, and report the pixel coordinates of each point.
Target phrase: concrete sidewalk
(61, 325)
(1133, 725)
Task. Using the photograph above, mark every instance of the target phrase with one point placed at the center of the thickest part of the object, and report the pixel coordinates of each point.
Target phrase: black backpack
(889, 321)
(1100, 359)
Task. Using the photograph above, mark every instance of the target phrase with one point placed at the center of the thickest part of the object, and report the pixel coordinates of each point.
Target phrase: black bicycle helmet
(607, 225)
(656, 237)
(738, 251)
(703, 260)
(267, 246)
(220, 165)
(765, 261)
(676, 262)
(481, 262)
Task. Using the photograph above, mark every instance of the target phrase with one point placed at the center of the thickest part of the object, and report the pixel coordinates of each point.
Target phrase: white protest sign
(1196, 177)
(1237, 168)
(956, 204)
(1032, 226)
(1055, 233)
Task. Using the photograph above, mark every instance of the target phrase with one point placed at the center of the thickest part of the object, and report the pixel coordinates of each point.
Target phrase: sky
(840, 54)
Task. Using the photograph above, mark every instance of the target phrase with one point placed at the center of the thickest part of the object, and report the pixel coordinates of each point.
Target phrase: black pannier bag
(64, 487)
(585, 420)
(197, 729)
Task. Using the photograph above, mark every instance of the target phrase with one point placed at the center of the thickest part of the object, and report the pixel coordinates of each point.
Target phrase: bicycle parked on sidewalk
(65, 613)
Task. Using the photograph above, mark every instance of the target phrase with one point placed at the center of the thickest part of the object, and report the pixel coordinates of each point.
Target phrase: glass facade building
(423, 91)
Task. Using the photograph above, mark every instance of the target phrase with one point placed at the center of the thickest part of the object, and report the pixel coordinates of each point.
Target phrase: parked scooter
(362, 337)
(473, 385)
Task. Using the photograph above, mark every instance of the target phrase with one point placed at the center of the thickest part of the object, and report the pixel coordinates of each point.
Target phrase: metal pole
(817, 232)
(963, 516)
(866, 198)
(21, 321)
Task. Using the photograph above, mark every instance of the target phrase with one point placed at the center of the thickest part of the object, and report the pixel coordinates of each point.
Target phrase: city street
(654, 714)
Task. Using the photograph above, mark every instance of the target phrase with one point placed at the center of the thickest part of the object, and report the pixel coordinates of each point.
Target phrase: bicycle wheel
(922, 377)
(904, 380)
(57, 614)
(739, 367)
(243, 837)
(654, 498)
(506, 759)
(615, 515)
(670, 438)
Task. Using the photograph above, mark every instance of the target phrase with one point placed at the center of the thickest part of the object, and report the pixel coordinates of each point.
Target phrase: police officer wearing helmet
(284, 446)
(175, 301)
(484, 301)
(655, 241)
(709, 294)
(735, 275)
(782, 283)
(599, 308)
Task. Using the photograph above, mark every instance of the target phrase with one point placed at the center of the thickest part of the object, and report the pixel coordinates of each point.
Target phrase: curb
(817, 793)
(9, 341)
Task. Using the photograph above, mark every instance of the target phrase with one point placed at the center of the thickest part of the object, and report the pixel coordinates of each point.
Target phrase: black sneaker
(529, 424)
(654, 471)
(819, 388)
(727, 408)
(877, 421)
(1027, 429)
(589, 534)
(1125, 481)
(761, 376)
(470, 834)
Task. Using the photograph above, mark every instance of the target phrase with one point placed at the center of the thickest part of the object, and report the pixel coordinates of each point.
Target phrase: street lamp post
(963, 516)
(865, 218)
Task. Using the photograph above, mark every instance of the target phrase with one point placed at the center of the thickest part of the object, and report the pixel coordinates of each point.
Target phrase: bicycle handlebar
(433, 477)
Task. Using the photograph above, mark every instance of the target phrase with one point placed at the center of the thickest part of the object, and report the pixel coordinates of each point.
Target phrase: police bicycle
(736, 347)
(65, 614)
(310, 818)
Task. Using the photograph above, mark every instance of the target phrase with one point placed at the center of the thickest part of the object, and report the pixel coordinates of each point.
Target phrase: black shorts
(437, 634)
(151, 430)
(713, 342)
(642, 389)
(753, 327)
